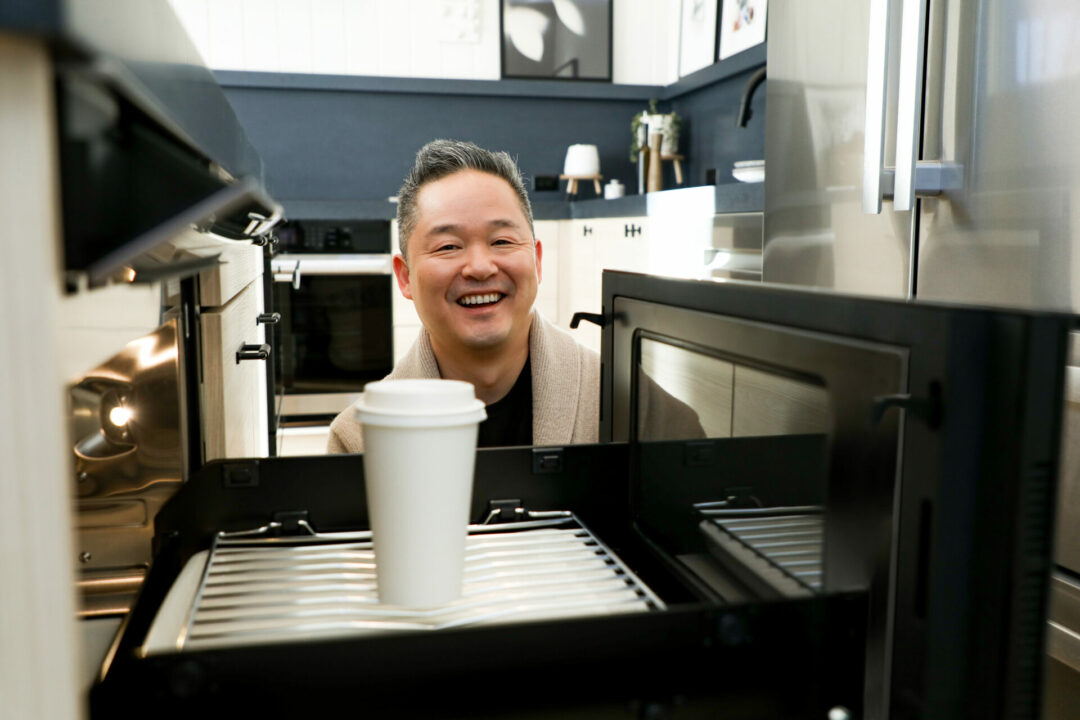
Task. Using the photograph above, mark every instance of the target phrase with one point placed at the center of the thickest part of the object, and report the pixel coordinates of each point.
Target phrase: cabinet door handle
(252, 352)
(595, 318)
(586, 230)
(631, 230)
(268, 319)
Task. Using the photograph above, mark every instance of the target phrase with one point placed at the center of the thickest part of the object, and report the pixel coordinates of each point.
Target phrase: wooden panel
(702, 382)
(767, 404)
(235, 422)
(240, 264)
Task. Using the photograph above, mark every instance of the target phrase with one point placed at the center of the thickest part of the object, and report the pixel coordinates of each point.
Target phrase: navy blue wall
(712, 139)
(346, 145)
(354, 139)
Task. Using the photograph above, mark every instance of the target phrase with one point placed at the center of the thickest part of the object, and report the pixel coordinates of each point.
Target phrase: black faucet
(747, 95)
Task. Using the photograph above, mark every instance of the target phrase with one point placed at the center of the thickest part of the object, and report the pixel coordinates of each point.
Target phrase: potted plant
(667, 124)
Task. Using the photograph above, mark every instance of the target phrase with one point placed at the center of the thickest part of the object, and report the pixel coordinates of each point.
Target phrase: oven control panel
(334, 236)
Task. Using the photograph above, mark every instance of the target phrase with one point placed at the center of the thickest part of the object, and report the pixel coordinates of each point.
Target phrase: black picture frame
(550, 49)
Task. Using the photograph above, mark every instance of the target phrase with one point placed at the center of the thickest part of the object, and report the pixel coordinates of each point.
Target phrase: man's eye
(448, 246)
(502, 241)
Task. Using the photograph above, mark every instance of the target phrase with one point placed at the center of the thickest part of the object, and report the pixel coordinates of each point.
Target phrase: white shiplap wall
(456, 39)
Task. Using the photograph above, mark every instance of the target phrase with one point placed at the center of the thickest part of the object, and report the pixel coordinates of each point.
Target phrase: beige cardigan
(565, 389)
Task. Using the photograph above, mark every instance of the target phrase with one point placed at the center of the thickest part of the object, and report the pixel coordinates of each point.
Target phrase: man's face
(473, 265)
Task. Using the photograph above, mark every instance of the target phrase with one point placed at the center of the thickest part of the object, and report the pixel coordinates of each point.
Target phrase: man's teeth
(479, 299)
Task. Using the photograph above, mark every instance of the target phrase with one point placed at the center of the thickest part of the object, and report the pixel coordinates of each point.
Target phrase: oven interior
(797, 561)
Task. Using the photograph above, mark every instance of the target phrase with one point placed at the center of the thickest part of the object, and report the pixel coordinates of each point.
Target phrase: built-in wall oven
(333, 285)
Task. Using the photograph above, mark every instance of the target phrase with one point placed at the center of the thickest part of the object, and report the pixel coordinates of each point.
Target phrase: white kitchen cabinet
(235, 416)
(590, 247)
(549, 233)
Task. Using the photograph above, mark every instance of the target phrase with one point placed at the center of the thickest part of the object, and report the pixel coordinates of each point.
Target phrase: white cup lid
(437, 400)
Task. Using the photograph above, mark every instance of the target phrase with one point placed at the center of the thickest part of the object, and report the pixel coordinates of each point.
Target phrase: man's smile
(481, 299)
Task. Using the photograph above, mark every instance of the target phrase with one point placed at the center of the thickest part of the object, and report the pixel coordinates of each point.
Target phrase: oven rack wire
(780, 548)
(252, 588)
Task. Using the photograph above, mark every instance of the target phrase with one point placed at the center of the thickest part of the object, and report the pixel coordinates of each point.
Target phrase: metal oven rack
(247, 590)
(776, 550)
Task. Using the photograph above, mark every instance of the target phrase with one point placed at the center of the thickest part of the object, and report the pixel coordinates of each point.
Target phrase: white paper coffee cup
(419, 455)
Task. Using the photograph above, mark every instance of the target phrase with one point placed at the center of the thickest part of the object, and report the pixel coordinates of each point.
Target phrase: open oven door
(927, 437)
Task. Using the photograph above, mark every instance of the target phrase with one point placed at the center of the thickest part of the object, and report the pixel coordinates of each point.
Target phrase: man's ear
(401, 271)
(539, 255)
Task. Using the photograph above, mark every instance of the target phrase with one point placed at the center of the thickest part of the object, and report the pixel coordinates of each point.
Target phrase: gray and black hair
(440, 158)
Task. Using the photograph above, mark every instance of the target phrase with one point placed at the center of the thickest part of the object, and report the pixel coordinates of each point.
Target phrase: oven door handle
(287, 268)
(289, 275)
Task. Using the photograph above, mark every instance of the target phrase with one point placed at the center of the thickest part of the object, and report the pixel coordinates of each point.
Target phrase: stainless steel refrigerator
(930, 150)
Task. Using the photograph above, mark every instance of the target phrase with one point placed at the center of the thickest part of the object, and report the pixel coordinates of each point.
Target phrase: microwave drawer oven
(804, 505)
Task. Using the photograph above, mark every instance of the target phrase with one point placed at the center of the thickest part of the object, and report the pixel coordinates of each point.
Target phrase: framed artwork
(697, 35)
(556, 39)
(742, 26)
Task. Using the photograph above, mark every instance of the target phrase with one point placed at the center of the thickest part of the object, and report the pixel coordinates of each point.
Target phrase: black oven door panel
(335, 333)
(929, 439)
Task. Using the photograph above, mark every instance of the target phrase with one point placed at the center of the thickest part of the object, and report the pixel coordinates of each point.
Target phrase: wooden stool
(571, 185)
(677, 162)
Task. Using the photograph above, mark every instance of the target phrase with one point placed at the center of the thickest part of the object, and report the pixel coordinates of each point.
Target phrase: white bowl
(582, 160)
(749, 171)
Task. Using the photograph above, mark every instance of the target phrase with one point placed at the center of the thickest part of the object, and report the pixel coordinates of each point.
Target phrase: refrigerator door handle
(909, 101)
(877, 67)
(931, 178)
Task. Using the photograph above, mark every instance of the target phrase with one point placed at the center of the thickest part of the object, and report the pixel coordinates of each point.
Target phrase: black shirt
(509, 420)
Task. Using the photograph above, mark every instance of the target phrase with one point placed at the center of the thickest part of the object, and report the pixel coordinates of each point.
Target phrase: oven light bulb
(120, 415)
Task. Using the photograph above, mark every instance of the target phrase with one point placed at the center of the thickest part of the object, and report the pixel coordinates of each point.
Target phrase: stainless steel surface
(271, 591)
(127, 436)
(997, 160)
(1007, 85)
(1003, 84)
(909, 104)
(108, 593)
(1063, 640)
(816, 230)
(1067, 541)
(874, 134)
(735, 248)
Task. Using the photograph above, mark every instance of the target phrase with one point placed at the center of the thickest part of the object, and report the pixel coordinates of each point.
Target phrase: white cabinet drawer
(234, 412)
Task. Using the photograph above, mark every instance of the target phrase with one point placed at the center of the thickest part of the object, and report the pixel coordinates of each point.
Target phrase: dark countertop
(704, 199)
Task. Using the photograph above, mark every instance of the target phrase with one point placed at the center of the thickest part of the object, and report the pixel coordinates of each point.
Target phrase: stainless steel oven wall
(126, 424)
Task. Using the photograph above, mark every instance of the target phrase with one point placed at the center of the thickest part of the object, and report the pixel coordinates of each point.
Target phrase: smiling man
(471, 264)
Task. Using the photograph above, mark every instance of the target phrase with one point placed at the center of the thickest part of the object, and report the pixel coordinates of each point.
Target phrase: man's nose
(479, 263)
